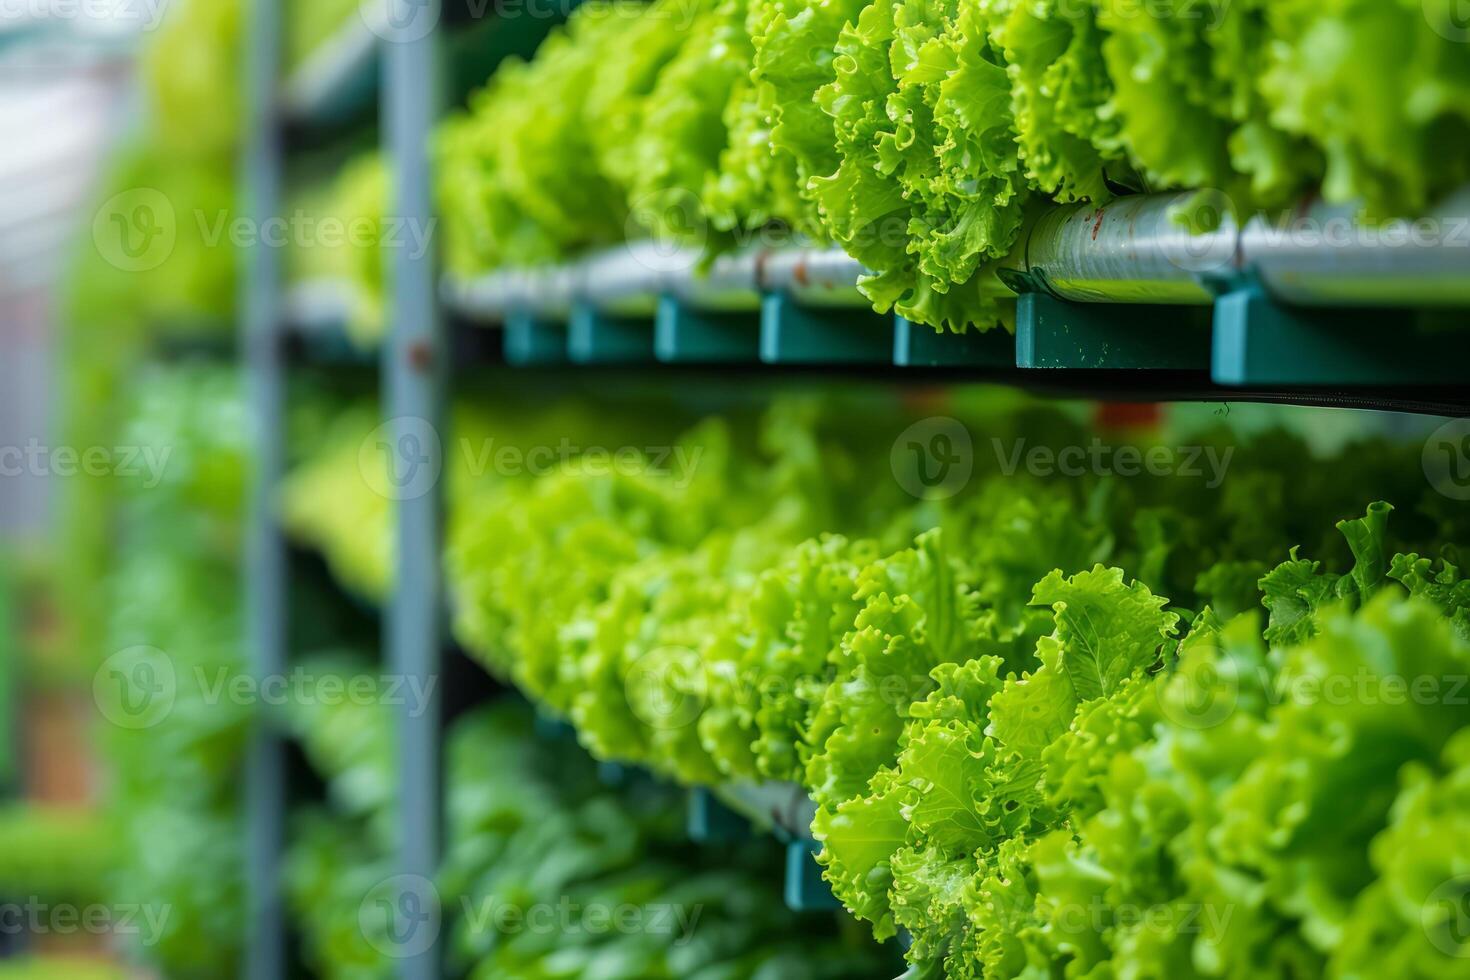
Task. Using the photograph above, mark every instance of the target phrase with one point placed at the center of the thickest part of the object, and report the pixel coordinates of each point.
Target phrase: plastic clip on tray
(811, 312)
(734, 812)
(725, 814)
(532, 340)
(642, 304)
(1276, 303)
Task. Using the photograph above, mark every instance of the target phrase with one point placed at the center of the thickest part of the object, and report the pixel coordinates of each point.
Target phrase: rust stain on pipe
(420, 355)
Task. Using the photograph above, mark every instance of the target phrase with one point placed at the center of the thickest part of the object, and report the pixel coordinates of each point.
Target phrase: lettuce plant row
(539, 856)
(1082, 727)
(921, 135)
(1097, 725)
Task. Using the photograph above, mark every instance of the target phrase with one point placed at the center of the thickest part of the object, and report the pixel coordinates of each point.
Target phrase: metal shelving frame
(266, 566)
(400, 53)
(1094, 282)
(414, 373)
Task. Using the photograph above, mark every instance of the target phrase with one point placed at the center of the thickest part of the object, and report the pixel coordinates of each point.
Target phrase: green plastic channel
(315, 314)
(1260, 342)
(806, 890)
(915, 345)
(1053, 334)
(595, 337)
(333, 348)
(614, 775)
(529, 340)
(712, 822)
(685, 335)
(792, 333)
(551, 729)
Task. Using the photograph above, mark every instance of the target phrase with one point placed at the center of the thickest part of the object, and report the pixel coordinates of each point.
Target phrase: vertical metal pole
(414, 374)
(265, 548)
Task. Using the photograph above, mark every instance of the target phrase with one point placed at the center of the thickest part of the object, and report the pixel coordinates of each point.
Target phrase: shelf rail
(266, 568)
(414, 372)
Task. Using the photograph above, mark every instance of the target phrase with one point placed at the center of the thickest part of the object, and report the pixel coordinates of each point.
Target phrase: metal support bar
(414, 374)
(266, 585)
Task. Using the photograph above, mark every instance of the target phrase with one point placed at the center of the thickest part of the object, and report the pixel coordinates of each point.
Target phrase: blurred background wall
(66, 93)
